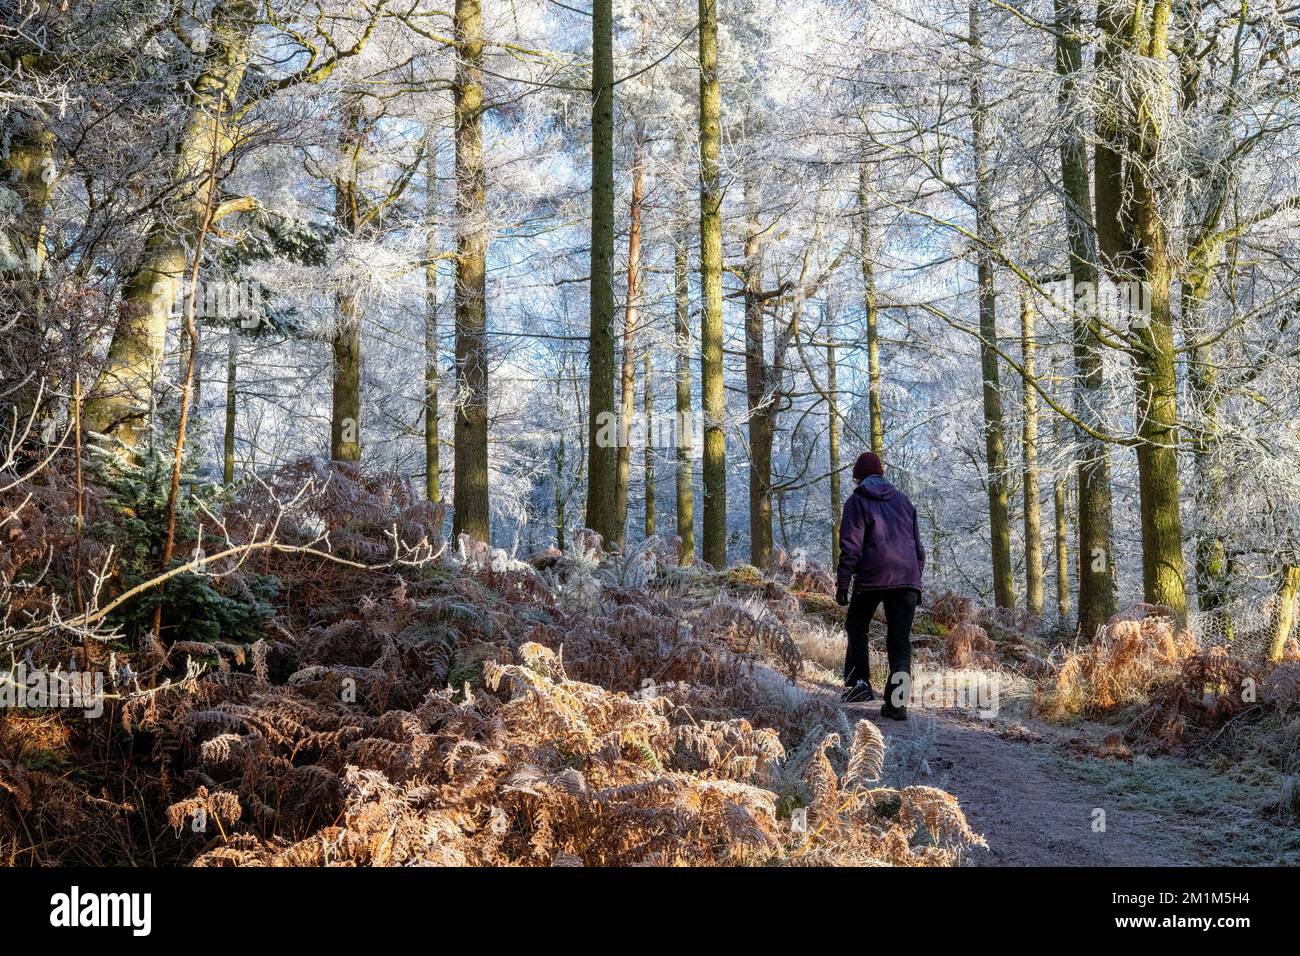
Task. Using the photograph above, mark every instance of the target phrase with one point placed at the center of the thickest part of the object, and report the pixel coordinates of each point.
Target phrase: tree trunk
(1062, 551)
(1096, 559)
(470, 489)
(345, 337)
(1114, 217)
(345, 407)
(432, 450)
(869, 308)
(647, 370)
(1284, 615)
(760, 403)
(1133, 245)
(628, 382)
(833, 443)
(122, 397)
(561, 518)
(1029, 461)
(994, 441)
(603, 424)
(1158, 486)
(711, 370)
(1060, 512)
(684, 430)
(1163, 576)
(186, 343)
(1208, 467)
(28, 168)
(228, 439)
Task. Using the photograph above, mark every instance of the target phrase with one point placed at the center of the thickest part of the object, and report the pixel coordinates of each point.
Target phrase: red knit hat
(868, 463)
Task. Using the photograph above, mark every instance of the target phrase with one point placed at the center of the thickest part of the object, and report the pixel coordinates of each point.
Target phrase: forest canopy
(749, 239)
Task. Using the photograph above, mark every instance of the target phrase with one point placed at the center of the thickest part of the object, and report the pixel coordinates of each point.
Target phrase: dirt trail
(1008, 778)
(1030, 815)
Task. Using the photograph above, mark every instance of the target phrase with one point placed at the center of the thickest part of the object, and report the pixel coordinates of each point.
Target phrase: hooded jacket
(880, 539)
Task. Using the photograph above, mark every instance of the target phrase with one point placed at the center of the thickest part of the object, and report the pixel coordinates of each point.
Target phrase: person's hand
(842, 596)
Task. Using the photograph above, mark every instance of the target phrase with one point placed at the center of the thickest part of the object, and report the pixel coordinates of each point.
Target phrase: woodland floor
(1031, 788)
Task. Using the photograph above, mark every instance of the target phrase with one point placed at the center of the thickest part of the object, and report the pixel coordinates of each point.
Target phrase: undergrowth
(351, 692)
(316, 704)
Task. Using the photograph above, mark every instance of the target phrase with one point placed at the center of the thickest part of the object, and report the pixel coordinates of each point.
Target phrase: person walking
(881, 562)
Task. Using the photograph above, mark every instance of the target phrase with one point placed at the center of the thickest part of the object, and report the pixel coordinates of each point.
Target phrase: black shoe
(893, 713)
(859, 692)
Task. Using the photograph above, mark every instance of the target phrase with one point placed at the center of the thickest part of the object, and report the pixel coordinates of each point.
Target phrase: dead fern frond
(941, 815)
(866, 756)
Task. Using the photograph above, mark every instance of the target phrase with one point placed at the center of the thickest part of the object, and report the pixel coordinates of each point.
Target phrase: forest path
(1009, 781)
(1029, 790)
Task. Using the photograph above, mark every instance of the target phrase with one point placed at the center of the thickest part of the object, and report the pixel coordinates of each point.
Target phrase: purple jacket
(880, 540)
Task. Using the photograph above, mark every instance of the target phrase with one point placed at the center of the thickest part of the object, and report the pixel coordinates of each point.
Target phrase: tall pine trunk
(648, 400)
(994, 440)
(561, 517)
(1096, 560)
(1029, 462)
(345, 393)
(833, 442)
(760, 403)
(470, 490)
(432, 449)
(345, 336)
(232, 394)
(1060, 515)
(869, 308)
(711, 384)
(602, 426)
(1208, 468)
(1114, 217)
(684, 429)
(1132, 241)
(631, 315)
(1158, 485)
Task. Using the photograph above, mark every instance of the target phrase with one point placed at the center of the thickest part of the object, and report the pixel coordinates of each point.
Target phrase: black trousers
(900, 608)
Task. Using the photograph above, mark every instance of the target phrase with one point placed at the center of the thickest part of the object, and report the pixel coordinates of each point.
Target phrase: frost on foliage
(10, 208)
(475, 555)
(574, 582)
(636, 567)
